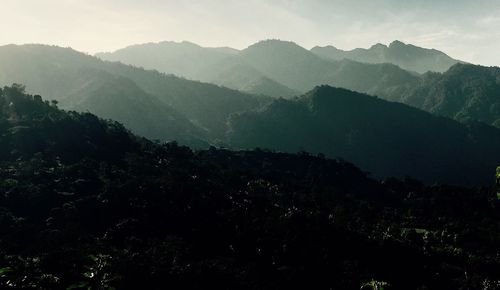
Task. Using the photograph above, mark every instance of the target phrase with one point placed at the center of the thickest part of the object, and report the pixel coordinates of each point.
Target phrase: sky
(466, 30)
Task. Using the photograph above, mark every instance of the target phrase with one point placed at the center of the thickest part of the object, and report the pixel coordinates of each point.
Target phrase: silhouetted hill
(388, 139)
(85, 204)
(406, 56)
(72, 78)
(465, 92)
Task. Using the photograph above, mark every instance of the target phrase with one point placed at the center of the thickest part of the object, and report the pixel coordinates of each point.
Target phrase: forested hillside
(387, 139)
(464, 93)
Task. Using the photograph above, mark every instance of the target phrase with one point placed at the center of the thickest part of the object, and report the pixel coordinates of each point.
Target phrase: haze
(467, 30)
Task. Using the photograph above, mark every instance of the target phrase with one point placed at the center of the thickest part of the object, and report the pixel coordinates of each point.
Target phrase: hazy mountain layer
(388, 139)
(220, 66)
(406, 56)
(272, 67)
(144, 100)
(302, 70)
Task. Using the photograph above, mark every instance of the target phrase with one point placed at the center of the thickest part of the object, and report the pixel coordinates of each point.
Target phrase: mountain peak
(378, 46)
(275, 43)
(397, 43)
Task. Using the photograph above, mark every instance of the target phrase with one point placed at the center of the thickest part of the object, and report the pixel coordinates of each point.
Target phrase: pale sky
(467, 30)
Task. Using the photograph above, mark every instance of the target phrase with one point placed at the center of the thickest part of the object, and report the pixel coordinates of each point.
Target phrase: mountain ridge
(407, 56)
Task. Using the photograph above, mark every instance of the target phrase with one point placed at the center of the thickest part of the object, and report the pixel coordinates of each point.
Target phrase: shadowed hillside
(464, 93)
(382, 137)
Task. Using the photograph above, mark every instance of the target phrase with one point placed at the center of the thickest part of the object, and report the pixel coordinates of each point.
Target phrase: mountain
(155, 105)
(220, 66)
(302, 70)
(406, 56)
(465, 92)
(237, 74)
(388, 139)
(87, 205)
(182, 59)
(271, 67)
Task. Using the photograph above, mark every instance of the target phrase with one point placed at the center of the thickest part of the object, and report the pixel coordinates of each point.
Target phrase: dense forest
(86, 204)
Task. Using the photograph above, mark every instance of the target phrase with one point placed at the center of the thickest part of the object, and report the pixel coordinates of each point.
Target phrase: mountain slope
(214, 65)
(271, 67)
(388, 139)
(301, 70)
(78, 83)
(465, 92)
(406, 56)
(182, 59)
(64, 74)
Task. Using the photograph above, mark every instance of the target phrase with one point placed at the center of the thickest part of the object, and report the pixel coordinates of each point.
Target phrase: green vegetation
(85, 204)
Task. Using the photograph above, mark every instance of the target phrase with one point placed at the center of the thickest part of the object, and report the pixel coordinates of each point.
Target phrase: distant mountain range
(406, 56)
(302, 70)
(271, 67)
(220, 66)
